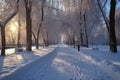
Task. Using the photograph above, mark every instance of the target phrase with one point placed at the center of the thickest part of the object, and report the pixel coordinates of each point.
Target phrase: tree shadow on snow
(34, 70)
(1, 65)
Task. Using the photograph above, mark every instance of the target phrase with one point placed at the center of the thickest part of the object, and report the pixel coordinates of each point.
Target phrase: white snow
(63, 63)
(13, 62)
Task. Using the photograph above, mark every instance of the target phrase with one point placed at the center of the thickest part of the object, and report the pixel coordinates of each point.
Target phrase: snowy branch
(8, 18)
(54, 8)
(104, 3)
(104, 15)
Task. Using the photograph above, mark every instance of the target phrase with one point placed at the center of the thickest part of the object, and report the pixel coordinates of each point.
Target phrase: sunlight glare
(62, 38)
(14, 26)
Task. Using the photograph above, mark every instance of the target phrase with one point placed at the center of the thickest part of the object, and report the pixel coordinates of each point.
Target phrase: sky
(108, 7)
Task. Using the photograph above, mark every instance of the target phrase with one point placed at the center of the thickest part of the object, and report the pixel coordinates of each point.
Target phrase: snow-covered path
(64, 63)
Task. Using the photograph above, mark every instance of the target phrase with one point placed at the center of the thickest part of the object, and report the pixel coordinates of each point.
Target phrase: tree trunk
(86, 34)
(81, 37)
(19, 27)
(28, 6)
(29, 30)
(3, 41)
(37, 43)
(113, 43)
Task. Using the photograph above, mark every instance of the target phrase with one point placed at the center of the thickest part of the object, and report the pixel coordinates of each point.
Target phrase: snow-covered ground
(15, 60)
(64, 63)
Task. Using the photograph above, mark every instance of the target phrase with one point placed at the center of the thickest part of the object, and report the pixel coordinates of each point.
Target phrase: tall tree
(40, 25)
(19, 27)
(113, 42)
(3, 24)
(28, 7)
(110, 23)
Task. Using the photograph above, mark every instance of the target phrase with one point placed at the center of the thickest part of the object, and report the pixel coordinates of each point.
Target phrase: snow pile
(13, 62)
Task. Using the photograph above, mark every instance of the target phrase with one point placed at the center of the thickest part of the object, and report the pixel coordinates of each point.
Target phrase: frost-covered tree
(5, 20)
(110, 22)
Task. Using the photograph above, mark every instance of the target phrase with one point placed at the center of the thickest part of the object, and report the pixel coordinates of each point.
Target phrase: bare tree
(86, 32)
(19, 27)
(110, 23)
(3, 24)
(40, 25)
(113, 42)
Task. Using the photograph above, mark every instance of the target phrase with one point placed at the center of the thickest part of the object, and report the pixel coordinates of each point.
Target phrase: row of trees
(49, 20)
(87, 13)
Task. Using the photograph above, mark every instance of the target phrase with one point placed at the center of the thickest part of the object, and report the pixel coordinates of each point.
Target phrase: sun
(13, 27)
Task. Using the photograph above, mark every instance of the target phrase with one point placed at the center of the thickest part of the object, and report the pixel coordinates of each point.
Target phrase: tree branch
(54, 8)
(8, 18)
(34, 35)
(104, 3)
(104, 16)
